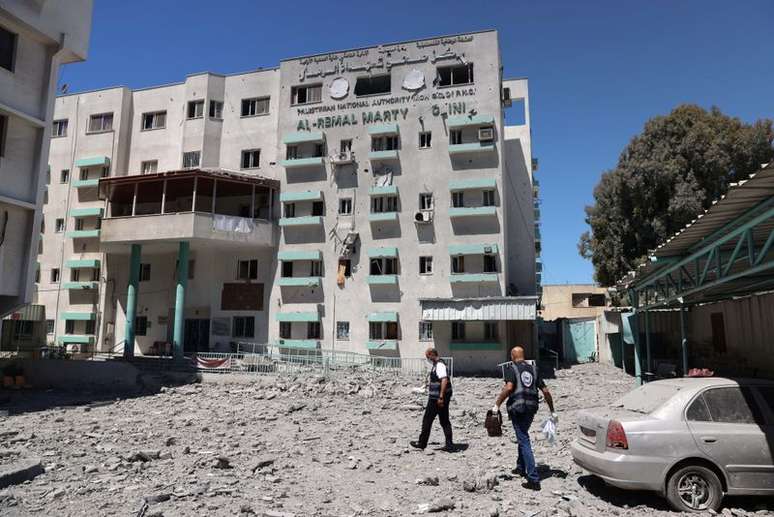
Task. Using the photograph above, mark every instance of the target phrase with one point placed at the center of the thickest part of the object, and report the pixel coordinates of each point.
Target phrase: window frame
(154, 117)
(252, 269)
(423, 197)
(345, 335)
(488, 197)
(427, 137)
(243, 327)
(193, 104)
(426, 260)
(59, 128)
(59, 225)
(145, 272)
(423, 333)
(370, 79)
(458, 199)
(253, 162)
(198, 159)
(285, 330)
(491, 331)
(55, 275)
(103, 117)
(141, 329)
(385, 143)
(252, 104)
(451, 68)
(13, 50)
(345, 202)
(217, 107)
(306, 87)
(458, 331)
(148, 162)
(455, 136)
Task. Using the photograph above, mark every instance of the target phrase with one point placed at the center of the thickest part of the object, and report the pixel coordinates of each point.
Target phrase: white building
(36, 37)
(370, 201)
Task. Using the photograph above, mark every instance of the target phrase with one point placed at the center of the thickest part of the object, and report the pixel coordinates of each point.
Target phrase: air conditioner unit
(423, 216)
(485, 134)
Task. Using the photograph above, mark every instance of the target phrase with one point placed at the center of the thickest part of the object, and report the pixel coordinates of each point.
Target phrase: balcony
(190, 205)
(383, 217)
(473, 211)
(472, 148)
(382, 280)
(376, 156)
(79, 213)
(461, 121)
(82, 263)
(289, 256)
(80, 286)
(306, 195)
(300, 281)
(83, 234)
(292, 163)
(472, 278)
(308, 220)
(301, 137)
(78, 316)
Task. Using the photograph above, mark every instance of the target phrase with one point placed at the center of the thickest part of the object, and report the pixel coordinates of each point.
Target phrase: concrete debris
(278, 446)
(19, 471)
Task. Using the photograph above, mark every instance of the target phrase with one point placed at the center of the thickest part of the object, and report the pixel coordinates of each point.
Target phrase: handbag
(494, 423)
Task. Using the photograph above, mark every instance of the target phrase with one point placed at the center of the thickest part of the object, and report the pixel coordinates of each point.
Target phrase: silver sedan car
(693, 440)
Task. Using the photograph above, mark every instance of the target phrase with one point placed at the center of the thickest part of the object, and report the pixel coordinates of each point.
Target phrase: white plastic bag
(549, 430)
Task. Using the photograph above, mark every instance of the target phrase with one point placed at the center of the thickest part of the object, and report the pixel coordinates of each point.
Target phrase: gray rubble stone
(20, 471)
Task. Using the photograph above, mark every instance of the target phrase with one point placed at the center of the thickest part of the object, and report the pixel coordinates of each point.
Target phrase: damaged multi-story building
(376, 201)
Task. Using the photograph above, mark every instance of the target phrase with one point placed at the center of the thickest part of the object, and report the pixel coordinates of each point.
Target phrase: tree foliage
(664, 178)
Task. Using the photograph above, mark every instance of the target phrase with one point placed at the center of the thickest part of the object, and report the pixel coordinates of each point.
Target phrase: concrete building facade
(36, 37)
(369, 201)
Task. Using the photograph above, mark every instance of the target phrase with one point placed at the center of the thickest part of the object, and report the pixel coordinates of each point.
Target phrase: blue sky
(597, 69)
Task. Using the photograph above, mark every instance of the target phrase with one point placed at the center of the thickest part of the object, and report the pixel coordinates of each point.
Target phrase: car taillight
(616, 437)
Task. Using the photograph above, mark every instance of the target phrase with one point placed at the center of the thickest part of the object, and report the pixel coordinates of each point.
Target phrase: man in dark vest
(439, 390)
(521, 390)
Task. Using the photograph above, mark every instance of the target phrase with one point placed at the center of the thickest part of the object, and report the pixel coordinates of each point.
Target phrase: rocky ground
(279, 446)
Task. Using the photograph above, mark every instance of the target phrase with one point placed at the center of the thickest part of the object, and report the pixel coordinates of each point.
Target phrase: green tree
(664, 178)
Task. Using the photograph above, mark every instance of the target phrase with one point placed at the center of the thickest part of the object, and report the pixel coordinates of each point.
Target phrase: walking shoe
(416, 445)
(449, 447)
(531, 485)
(518, 472)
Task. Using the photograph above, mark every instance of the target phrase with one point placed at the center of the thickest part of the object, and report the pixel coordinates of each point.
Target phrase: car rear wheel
(694, 489)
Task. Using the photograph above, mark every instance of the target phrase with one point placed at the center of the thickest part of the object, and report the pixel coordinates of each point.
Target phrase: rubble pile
(303, 446)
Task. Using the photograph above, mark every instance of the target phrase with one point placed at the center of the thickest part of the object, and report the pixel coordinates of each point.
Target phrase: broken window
(318, 208)
(455, 75)
(425, 330)
(145, 272)
(425, 139)
(243, 326)
(284, 330)
(7, 49)
(216, 109)
(256, 106)
(342, 330)
(382, 204)
(155, 120)
(306, 94)
(458, 264)
(60, 128)
(195, 109)
(489, 198)
(425, 265)
(374, 85)
(455, 136)
(313, 330)
(345, 206)
(490, 264)
(458, 199)
(287, 269)
(247, 269)
(55, 275)
(426, 201)
(385, 143)
(384, 266)
(149, 167)
(251, 158)
(60, 225)
(458, 330)
(100, 122)
(191, 159)
(490, 330)
(375, 330)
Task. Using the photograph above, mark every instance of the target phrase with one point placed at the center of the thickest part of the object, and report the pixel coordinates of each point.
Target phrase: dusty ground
(301, 447)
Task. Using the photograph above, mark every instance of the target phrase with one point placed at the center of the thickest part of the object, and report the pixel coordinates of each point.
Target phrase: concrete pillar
(131, 300)
(636, 335)
(182, 282)
(684, 340)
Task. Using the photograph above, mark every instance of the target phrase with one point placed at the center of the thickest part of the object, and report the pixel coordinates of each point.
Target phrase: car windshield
(648, 398)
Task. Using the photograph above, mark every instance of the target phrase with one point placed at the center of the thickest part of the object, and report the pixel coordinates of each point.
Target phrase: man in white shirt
(439, 390)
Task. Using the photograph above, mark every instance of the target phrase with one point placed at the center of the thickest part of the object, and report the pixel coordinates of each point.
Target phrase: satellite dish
(339, 88)
(414, 80)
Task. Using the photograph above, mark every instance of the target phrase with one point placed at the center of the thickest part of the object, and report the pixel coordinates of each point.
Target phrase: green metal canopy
(288, 256)
(93, 161)
(301, 137)
(383, 129)
(298, 316)
(471, 184)
(465, 120)
(472, 249)
(383, 316)
(306, 195)
(384, 252)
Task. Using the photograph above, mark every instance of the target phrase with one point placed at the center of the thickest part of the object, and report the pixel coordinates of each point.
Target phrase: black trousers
(431, 411)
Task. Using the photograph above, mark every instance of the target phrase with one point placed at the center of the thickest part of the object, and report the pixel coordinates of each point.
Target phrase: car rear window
(648, 398)
(733, 406)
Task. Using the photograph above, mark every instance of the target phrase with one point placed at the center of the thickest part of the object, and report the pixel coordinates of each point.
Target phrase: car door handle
(709, 439)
